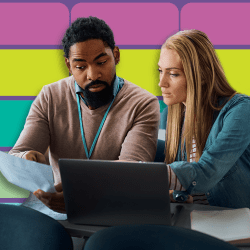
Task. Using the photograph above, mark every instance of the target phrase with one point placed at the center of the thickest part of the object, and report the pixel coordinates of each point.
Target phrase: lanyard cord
(88, 154)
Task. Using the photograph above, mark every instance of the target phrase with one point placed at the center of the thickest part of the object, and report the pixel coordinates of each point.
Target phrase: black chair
(160, 155)
(25, 229)
(153, 237)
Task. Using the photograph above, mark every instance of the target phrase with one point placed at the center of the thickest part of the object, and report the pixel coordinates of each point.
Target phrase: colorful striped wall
(31, 52)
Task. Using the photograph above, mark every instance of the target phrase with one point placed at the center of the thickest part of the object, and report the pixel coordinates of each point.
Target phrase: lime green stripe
(9, 190)
(236, 66)
(33, 69)
(26, 71)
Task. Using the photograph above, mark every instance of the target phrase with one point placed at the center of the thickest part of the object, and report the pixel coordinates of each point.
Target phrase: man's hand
(189, 200)
(34, 156)
(54, 201)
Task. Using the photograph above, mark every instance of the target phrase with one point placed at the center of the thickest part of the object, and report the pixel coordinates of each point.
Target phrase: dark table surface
(181, 218)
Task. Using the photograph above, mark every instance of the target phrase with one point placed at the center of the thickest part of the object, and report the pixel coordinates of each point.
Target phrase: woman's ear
(116, 53)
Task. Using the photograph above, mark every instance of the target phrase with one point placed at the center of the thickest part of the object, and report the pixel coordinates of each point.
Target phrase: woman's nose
(163, 82)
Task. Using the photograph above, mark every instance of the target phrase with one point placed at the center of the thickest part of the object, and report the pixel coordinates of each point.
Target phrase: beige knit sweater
(129, 132)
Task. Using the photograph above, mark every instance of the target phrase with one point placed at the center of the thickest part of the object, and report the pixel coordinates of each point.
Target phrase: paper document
(162, 134)
(26, 174)
(228, 225)
(36, 204)
(31, 176)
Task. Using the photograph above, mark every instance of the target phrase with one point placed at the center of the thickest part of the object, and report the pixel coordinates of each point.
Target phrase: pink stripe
(134, 23)
(33, 23)
(224, 23)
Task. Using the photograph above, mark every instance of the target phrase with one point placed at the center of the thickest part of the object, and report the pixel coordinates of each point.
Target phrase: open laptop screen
(110, 193)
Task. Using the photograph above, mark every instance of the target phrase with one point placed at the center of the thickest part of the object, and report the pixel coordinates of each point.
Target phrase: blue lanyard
(88, 154)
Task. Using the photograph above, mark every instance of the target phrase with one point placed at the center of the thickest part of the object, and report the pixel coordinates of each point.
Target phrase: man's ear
(68, 65)
(116, 53)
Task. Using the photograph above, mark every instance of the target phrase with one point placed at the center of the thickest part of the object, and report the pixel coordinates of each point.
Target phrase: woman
(207, 124)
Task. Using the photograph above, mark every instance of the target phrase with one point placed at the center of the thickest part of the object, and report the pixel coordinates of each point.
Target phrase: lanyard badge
(88, 154)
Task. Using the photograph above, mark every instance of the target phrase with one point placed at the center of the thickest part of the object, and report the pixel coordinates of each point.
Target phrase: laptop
(109, 193)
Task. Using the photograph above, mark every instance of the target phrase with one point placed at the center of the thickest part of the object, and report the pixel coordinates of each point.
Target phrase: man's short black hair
(84, 29)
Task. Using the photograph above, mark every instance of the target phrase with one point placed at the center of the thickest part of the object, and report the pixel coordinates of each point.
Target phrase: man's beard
(101, 98)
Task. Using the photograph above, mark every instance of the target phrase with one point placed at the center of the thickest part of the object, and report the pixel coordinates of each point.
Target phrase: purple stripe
(12, 200)
(139, 46)
(61, 47)
(5, 148)
(31, 47)
(232, 46)
(120, 46)
(17, 98)
(179, 4)
(28, 98)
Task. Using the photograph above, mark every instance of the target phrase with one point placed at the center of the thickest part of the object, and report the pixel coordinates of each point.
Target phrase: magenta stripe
(134, 23)
(17, 98)
(35, 23)
(12, 200)
(224, 23)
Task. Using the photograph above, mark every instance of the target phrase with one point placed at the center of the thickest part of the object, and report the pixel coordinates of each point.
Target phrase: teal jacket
(223, 170)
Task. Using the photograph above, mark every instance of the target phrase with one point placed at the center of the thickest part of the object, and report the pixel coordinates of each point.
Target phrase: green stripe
(13, 115)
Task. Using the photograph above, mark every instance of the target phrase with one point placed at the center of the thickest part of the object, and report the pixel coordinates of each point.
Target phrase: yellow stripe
(24, 72)
(236, 66)
(139, 66)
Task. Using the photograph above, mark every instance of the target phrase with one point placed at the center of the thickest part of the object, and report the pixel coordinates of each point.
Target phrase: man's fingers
(58, 187)
(59, 209)
(40, 192)
(40, 158)
(49, 196)
(34, 156)
(54, 201)
(30, 157)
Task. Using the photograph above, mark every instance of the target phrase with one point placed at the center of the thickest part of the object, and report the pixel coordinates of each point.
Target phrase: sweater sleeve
(36, 133)
(220, 156)
(141, 141)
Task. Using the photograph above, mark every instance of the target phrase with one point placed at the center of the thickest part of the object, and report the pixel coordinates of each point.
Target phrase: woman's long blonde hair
(206, 82)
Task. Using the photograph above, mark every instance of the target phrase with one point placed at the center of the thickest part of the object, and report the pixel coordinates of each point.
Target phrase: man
(93, 113)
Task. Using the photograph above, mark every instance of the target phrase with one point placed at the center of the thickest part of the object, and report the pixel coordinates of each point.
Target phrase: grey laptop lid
(110, 193)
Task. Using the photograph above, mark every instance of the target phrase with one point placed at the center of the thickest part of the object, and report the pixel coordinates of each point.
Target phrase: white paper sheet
(31, 176)
(26, 174)
(226, 225)
(36, 204)
(162, 134)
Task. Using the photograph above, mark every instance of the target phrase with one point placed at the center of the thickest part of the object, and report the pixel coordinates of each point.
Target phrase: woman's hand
(189, 200)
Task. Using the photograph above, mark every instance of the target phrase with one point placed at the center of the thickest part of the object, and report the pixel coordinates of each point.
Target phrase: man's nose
(93, 73)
